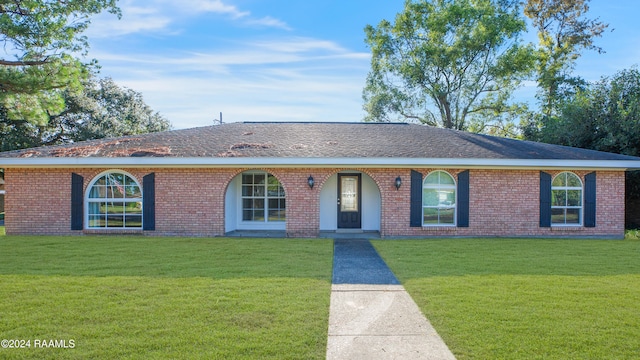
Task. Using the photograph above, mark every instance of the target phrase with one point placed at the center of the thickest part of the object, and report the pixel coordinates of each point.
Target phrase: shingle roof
(316, 140)
(316, 145)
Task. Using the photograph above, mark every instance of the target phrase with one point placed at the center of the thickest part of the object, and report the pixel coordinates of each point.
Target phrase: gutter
(263, 162)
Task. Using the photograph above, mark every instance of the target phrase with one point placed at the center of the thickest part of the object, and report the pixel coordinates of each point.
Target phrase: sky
(280, 60)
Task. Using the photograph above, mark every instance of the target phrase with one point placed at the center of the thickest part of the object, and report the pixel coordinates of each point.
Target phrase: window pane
(133, 208)
(560, 180)
(258, 191)
(133, 192)
(258, 215)
(557, 216)
(573, 180)
(116, 192)
(247, 179)
(272, 190)
(258, 178)
(276, 215)
(574, 197)
(133, 221)
(98, 191)
(247, 215)
(558, 198)
(349, 193)
(95, 208)
(446, 197)
(573, 216)
(115, 221)
(430, 216)
(97, 221)
(272, 180)
(446, 216)
(258, 203)
(101, 181)
(446, 179)
(115, 179)
(247, 204)
(432, 179)
(115, 208)
(430, 197)
(273, 204)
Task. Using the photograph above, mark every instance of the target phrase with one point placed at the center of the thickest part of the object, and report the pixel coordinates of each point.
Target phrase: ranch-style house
(312, 179)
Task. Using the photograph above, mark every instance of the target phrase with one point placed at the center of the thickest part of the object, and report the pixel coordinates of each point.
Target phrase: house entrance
(349, 201)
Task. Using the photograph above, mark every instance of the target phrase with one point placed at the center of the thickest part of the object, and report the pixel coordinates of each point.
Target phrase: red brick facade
(191, 202)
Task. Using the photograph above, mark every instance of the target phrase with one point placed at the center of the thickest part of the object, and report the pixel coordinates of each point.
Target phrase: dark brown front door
(349, 201)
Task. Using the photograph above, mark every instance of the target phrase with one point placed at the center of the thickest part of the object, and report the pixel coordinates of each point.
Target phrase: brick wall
(37, 201)
(190, 202)
(506, 203)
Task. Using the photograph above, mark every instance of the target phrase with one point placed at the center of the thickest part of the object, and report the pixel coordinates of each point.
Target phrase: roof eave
(244, 162)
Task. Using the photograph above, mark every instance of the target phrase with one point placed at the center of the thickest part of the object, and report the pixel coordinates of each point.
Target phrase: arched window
(439, 199)
(566, 199)
(114, 200)
(263, 198)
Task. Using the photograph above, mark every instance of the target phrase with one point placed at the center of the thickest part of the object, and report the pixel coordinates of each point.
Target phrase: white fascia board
(234, 162)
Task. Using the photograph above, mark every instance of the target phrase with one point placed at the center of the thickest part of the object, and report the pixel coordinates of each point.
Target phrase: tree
(41, 39)
(102, 109)
(449, 63)
(563, 32)
(606, 117)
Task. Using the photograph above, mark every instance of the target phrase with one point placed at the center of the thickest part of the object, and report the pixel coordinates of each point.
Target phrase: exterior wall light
(398, 183)
(311, 182)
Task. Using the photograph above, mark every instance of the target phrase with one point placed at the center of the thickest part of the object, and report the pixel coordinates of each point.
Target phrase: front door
(349, 201)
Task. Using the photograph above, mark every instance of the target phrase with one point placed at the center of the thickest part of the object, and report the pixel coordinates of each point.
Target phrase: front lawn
(139, 297)
(525, 299)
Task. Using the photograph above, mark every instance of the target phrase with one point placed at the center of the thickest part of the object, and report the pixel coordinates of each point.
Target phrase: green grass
(525, 299)
(166, 298)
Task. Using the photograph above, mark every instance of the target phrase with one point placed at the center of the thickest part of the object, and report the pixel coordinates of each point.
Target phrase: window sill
(113, 231)
(440, 228)
(567, 228)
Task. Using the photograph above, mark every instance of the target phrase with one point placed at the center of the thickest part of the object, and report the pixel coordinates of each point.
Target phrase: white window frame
(259, 224)
(438, 187)
(88, 200)
(565, 207)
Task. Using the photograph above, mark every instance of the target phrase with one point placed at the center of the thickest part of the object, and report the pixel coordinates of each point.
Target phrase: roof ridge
(323, 122)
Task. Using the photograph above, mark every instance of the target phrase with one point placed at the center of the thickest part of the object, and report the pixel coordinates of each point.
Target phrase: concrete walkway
(371, 315)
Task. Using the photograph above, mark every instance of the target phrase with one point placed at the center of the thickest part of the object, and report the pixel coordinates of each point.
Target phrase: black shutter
(416, 199)
(463, 199)
(590, 200)
(77, 183)
(545, 199)
(149, 202)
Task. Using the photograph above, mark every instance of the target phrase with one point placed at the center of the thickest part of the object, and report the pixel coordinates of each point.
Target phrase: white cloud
(135, 19)
(269, 21)
(298, 45)
(214, 6)
(292, 79)
(155, 16)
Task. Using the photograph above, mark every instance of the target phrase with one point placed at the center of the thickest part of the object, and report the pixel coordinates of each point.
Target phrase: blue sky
(278, 60)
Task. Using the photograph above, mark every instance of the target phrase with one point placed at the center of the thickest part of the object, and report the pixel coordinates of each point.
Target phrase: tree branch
(23, 63)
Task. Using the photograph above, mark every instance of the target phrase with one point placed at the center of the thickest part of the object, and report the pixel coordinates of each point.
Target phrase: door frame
(357, 224)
